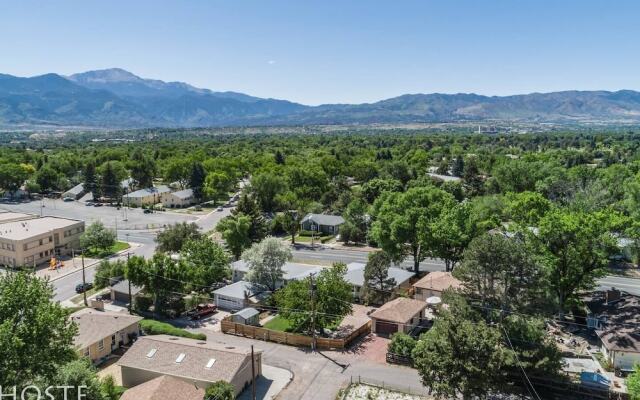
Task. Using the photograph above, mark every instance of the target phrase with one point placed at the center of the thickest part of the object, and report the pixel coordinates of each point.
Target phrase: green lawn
(118, 246)
(317, 240)
(278, 324)
(151, 327)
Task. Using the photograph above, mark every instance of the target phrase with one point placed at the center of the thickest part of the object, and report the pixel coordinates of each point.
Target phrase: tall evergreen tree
(196, 180)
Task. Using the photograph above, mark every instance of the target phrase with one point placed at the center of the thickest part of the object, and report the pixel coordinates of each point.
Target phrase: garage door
(229, 303)
(386, 328)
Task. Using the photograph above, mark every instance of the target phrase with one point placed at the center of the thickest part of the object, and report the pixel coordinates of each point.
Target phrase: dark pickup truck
(201, 311)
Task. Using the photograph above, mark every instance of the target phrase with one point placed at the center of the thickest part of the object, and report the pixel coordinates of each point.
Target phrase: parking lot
(124, 218)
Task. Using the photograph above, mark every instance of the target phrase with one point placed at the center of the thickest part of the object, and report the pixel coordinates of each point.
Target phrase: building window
(101, 345)
(86, 352)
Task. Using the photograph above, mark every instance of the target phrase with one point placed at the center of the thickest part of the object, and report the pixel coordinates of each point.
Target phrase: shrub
(402, 344)
(220, 390)
(151, 327)
(143, 303)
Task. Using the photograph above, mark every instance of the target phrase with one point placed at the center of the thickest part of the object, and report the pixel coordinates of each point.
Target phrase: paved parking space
(371, 348)
(108, 215)
(269, 384)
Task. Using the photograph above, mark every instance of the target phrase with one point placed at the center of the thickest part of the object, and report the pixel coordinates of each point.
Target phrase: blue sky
(333, 51)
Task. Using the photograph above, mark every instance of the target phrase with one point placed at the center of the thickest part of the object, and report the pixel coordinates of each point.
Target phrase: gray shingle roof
(149, 191)
(238, 289)
(183, 194)
(228, 362)
(324, 219)
(123, 287)
(355, 274)
(248, 312)
(292, 271)
(94, 325)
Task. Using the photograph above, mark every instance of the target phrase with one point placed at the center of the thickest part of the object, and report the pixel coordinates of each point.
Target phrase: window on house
(101, 345)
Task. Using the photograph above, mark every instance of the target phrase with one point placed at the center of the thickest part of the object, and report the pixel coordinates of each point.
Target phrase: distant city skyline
(331, 51)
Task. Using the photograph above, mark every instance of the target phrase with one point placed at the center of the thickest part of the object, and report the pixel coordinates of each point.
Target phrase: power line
(524, 373)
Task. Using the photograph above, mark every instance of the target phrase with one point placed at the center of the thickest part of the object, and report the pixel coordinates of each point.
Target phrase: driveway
(319, 376)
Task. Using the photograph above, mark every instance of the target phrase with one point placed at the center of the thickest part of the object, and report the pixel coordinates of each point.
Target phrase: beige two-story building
(34, 241)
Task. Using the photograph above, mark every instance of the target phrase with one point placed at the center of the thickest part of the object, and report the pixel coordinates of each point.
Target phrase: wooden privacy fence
(293, 339)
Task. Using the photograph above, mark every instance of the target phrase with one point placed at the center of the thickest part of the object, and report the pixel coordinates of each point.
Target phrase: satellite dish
(434, 300)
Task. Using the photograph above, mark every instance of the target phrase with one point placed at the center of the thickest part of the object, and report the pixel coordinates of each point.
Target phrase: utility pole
(84, 283)
(313, 311)
(130, 300)
(253, 375)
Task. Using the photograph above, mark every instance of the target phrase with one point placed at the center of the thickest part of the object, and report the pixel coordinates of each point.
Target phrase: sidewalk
(72, 265)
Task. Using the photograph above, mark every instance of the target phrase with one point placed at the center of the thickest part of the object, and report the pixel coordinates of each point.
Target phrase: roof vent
(152, 353)
(181, 357)
(210, 363)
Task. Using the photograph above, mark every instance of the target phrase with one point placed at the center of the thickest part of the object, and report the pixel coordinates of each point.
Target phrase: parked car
(88, 204)
(201, 311)
(147, 211)
(219, 208)
(67, 199)
(97, 205)
(83, 287)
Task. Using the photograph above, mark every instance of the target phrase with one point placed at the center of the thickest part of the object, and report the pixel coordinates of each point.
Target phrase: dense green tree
(75, 374)
(98, 238)
(143, 169)
(375, 187)
(47, 178)
(36, 336)
(575, 248)
(173, 238)
(178, 170)
(333, 297)
(207, 262)
(450, 234)
(356, 222)
(461, 356)
(265, 261)
(162, 277)
(110, 181)
(501, 273)
(197, 180)
(401, 218)
(266, 187)
(90, 182)
(248, 207)
(217, 185)
(12, 176)
(526, 208)
(378, 284)
(236, 232)
(106, 271)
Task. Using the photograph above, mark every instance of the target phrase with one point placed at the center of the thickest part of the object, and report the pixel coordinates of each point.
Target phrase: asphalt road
(325, 255)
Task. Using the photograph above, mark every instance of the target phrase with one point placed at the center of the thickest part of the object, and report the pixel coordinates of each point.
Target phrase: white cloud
(271, 62)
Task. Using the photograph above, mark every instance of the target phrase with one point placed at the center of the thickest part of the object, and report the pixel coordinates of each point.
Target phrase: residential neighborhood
(319, 200)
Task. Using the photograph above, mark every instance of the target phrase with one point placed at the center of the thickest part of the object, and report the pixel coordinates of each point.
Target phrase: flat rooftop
(20, 230)
(9, 216)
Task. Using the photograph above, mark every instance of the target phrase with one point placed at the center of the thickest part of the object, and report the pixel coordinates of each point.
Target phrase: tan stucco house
(102, 332)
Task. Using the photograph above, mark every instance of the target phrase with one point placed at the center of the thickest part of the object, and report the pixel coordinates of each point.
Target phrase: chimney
(612, 295)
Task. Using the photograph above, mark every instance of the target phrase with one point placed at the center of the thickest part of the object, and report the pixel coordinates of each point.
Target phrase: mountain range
(116, 98)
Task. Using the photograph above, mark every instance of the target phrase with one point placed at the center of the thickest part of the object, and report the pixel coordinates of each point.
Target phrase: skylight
(152, 353)
(210, 363)
(180, 358)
